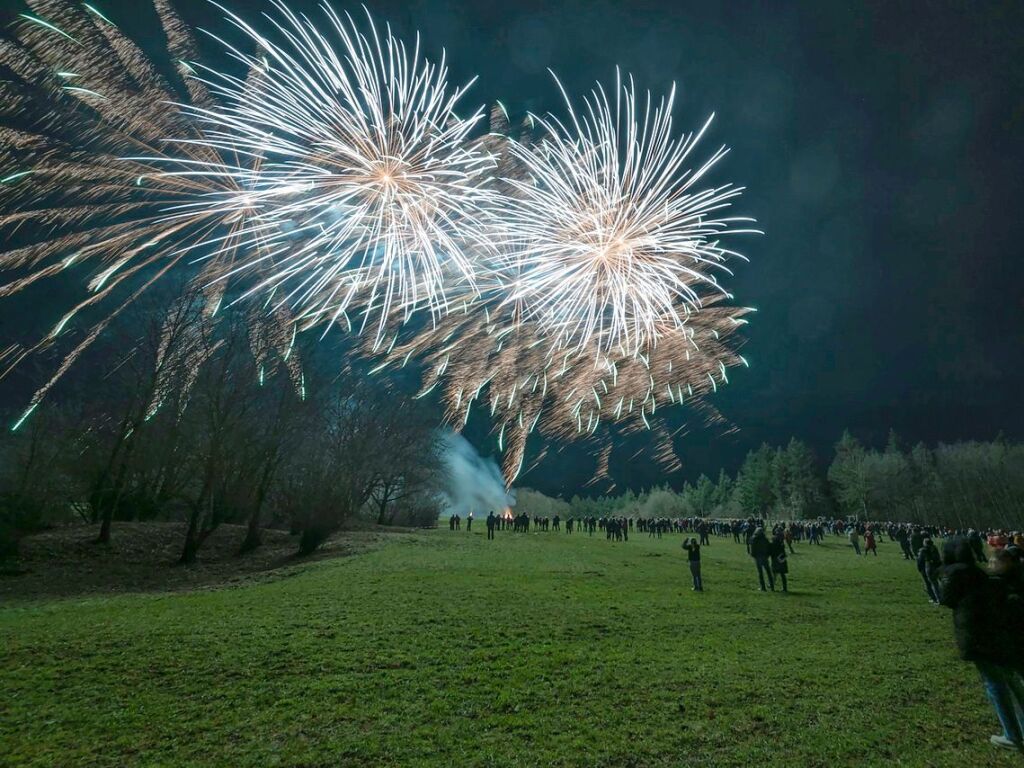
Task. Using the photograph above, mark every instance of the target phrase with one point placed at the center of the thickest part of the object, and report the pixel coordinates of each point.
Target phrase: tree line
(963, 484)
(210, 418)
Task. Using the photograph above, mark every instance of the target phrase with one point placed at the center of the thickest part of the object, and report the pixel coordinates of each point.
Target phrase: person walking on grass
(854, 539)
(760, 550)
(780, 565)
(988, 632)
(869, 543)
(693, 557)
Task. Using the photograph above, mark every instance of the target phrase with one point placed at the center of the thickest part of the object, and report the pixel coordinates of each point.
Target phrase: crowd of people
(985, 590)
(768, 546)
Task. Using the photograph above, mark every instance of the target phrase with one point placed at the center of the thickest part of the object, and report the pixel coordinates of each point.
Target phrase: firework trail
(368, 190)
(89, 183)
(481, 356)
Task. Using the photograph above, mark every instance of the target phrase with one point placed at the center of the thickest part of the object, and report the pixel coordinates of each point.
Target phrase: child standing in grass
(693, 556)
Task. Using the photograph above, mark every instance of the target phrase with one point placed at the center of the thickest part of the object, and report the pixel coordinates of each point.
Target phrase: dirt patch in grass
(142, 557)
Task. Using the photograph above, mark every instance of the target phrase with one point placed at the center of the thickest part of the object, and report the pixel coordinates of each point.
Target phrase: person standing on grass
(693, 557)
(469, 522)
(928, 563)
(788, 536)
(760, 550)
(903, 539)
(854, 539)
(987, 629)
(491, 520)
(977, 545)
(869, 543)
(916, 541)
(780, 566)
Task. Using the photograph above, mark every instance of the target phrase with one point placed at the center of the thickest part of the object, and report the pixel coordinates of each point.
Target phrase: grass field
(444, 649)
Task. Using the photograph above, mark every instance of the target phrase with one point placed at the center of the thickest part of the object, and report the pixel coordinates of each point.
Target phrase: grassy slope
(541, 650)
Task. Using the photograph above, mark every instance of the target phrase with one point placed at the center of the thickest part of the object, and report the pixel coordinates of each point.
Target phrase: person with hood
(780, 565)
(984, 632)
(928, 563)
(760, 550)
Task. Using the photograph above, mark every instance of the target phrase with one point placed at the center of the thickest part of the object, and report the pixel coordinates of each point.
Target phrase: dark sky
(881, 147)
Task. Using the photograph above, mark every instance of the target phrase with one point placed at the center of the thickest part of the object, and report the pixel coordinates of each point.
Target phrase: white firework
(361, 182)
(611, 235)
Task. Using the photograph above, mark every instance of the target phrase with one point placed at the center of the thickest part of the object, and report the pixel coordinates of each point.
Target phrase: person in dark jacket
(928, 563)
(760, 550)
(693, 556)
(780, 565)
(1007, 570)
(916, 541)
(985, 636)
(977, 545)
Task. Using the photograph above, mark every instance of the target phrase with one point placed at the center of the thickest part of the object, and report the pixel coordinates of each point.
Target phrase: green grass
(444, 649)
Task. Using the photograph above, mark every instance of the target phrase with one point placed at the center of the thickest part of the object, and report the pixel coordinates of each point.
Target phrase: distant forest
(960, 485)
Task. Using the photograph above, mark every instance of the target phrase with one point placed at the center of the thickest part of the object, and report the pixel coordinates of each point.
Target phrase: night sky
(881, 147)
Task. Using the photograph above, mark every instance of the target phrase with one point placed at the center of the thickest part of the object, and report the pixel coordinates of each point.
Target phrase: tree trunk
(253, 535)
(191, 548)
(108, 515)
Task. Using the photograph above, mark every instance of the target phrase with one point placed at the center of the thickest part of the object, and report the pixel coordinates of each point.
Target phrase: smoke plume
(475, 484)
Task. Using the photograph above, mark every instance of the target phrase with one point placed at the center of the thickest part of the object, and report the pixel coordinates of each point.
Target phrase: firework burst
(571, 275)
(578, 352)
(367, 186)
(613, 240)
